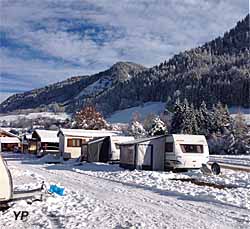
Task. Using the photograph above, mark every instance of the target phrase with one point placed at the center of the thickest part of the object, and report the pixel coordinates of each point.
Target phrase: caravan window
(192, 148)
(117, 146)
(74, 142)
(169, 148)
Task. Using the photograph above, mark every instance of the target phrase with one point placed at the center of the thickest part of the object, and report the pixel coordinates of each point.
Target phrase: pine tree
(220, 118)
(184, 120)
(204, 119)
(193, 120)
(178, 117)
(240, 130)
(187, 127)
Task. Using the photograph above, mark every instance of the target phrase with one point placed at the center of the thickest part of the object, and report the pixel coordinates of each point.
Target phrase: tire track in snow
(144, 200)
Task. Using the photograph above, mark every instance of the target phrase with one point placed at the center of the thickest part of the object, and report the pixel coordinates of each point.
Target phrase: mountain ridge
(66, 90)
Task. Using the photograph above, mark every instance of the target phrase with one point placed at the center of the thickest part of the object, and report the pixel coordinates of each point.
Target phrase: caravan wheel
(215, 168)
(4, 206)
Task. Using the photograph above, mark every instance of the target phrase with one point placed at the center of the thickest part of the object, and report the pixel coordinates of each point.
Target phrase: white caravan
(7, 192)
(184, 152)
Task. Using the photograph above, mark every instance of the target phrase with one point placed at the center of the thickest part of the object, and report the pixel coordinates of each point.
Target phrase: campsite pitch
(106, 196)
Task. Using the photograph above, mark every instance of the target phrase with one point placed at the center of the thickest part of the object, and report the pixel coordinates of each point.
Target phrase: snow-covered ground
(95, 88)
(124, 116)
(121, 116)
(106, 196)
(58, 116)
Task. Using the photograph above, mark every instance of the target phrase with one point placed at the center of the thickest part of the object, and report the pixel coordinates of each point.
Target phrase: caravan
(183, 152)
(7, 192)
(165, 152)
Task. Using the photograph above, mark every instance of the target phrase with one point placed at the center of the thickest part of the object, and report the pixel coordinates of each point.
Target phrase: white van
(183, 152)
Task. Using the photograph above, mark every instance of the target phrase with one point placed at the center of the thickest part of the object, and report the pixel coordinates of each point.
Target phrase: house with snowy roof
(43, 142)
(8, 141)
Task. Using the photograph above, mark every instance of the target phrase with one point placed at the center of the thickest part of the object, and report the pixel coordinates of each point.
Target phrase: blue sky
(43, 42)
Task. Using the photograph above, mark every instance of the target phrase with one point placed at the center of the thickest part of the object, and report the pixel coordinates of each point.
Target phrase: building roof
(9, 140)
(7, 132)
(88, 133)
(48, 135)
(139, 140)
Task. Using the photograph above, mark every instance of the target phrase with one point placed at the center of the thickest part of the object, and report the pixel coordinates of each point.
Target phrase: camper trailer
(7, 192)
(71, 140)
(184, 152)
(103, 149)
(165, 152)
(145, 153)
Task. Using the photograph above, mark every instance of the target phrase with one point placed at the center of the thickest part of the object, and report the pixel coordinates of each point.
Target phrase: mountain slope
(217, 71)
(74, 91)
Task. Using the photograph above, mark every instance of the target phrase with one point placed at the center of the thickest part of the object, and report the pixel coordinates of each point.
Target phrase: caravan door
(145, 156)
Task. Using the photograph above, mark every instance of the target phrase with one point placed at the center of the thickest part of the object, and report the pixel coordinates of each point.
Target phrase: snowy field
(125, 116)
(106, 196)
(58, 116)
(121, 116)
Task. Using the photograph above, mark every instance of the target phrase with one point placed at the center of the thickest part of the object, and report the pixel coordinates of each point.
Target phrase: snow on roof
(9, 140)
(48, 135)
(122, 138)
(6, 131)
(139, 140)
(88, 133)
(189, 138)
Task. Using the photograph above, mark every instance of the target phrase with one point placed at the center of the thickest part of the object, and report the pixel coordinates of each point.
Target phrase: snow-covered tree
(136, 129)
(158, 127)
(178, 118)
(203, 119)
(220, 118)
(89, 118)
(184, 119)
(147, 122)
(241, 133)
(229, 142)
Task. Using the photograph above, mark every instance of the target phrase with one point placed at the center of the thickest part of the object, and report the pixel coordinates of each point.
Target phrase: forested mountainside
(71, 92)
(217, 71)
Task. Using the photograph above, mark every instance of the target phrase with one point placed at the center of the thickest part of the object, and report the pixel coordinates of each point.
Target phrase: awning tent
(145, 154)
(103, 149)
(98, 150)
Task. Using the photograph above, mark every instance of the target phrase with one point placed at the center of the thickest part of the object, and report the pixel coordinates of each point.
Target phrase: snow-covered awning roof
(114, 139)
(88, 133)
(48, 135)
(139, 140)
(9, 140)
